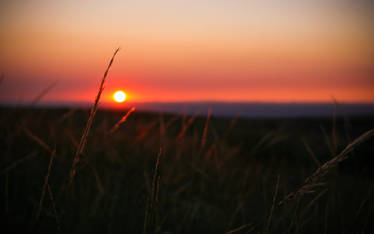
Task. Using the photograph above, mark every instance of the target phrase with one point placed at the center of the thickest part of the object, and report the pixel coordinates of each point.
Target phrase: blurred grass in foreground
(217, 175)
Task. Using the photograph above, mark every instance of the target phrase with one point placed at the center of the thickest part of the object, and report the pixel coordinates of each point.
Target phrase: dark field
(221, 179)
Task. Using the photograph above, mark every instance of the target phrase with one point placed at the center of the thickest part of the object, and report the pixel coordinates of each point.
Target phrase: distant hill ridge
(243, 109)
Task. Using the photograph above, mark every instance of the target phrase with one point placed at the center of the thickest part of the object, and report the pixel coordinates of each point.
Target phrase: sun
(119, 96)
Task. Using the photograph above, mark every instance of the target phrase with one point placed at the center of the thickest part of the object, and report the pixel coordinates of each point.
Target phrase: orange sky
(273, 51)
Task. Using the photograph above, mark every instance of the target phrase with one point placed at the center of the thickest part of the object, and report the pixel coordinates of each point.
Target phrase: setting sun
(119, 96)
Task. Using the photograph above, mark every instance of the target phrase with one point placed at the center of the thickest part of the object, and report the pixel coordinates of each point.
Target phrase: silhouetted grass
(83, 141)
(225, 187)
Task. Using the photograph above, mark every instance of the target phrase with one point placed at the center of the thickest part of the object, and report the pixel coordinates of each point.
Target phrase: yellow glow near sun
(119, 96)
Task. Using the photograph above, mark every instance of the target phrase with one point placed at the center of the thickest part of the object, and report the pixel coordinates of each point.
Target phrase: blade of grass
(66, 115)
(86, 131)
(54, 208)
(239, 228)
(43, 93)
(313, 181)
(187, 124)
(205, 132)
(45, 185)
(311, 153)
(150, 219)
(303, 212)
(17, 162)
(267, 229)
(122, 120)
(37, 140)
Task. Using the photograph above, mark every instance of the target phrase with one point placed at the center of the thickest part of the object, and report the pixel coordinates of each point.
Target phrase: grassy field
(214, 175)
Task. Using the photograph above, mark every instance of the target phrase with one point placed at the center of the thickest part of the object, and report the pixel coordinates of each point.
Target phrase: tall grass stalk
(86, 131)
(205, 132)
(314, 181)
(122, 120)
(38, 140)
(43, 93)
(54, 208)
(239, 229)
(267, 229)
(45, 185)
(150, 219)
(18, 162)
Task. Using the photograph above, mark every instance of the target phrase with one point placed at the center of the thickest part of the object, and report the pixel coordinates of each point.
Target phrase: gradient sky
(272, 51)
